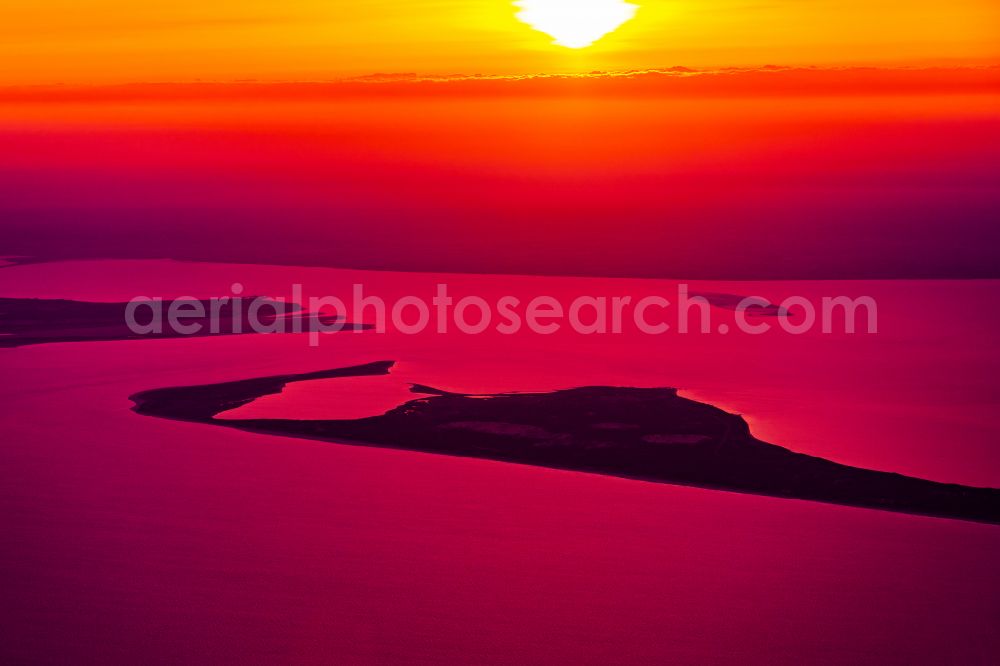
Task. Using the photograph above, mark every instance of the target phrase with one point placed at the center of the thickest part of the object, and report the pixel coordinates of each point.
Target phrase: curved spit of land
(650, 434)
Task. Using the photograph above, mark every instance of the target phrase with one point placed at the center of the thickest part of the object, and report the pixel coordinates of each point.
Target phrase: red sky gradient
(726, 174)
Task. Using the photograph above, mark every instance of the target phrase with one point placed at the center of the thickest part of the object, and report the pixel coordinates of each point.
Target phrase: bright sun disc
(575, 23)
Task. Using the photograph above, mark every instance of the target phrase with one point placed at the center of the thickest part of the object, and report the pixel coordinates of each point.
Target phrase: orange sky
(103, 41)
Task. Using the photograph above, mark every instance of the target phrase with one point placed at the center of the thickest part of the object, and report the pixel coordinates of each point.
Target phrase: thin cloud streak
(744, 82)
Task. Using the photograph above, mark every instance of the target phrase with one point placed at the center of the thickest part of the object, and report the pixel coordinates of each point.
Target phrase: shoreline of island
(651, 435)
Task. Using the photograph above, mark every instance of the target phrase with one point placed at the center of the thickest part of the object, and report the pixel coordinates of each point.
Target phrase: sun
(575, 24)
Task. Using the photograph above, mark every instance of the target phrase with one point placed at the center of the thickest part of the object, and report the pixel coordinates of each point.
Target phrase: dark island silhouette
(33, 321)
(651, 434)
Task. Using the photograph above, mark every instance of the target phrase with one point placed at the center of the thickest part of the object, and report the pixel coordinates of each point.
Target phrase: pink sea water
(130, 539)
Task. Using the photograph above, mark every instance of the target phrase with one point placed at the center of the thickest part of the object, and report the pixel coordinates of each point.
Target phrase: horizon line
(678, 80)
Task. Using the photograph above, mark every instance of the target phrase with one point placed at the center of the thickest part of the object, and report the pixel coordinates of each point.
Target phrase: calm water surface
(131, 539)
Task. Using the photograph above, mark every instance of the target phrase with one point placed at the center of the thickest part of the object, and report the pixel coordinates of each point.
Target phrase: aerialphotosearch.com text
(442, 312)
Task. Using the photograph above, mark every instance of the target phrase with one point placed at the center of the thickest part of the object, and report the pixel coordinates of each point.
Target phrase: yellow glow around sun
(575, 24)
